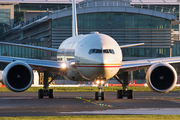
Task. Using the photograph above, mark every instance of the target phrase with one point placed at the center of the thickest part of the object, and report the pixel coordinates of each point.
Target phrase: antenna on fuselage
(74, 19)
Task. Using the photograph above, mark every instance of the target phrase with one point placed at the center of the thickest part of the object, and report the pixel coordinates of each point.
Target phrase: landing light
(63, 65)
(97, 82)
(73, 64)
(102, 82)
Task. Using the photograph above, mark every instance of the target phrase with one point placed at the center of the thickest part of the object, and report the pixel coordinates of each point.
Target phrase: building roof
(89, 8)
(168, 2)
(37, 1)
(155, 2)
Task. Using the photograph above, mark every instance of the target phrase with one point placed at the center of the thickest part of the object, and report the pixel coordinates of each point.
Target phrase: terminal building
(48, 23)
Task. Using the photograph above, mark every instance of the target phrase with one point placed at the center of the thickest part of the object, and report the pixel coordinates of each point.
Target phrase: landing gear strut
(124, 92)
(45, 91)
(100, 83)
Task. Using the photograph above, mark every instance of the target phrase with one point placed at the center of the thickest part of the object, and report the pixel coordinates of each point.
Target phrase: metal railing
(156, 8)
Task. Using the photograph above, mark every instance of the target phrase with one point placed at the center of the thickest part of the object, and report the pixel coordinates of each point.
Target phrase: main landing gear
(124, 92)
(45, 91)
(100, 83)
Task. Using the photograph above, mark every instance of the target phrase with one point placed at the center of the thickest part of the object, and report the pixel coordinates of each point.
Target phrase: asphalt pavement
(83, 103)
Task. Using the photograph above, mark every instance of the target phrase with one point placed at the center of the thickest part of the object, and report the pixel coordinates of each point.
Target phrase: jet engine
(161, 77)
(17, 76)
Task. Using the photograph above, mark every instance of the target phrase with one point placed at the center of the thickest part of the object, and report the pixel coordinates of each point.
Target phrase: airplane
(97, 57)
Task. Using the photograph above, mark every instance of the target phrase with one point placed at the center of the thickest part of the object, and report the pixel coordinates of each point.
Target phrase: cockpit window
(91, 51)
(106, 51)
(95, 51)
(98, 51)
(111, 51)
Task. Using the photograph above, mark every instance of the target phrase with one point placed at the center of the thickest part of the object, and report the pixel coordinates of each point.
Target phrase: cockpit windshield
(91, 51)
(108, 51)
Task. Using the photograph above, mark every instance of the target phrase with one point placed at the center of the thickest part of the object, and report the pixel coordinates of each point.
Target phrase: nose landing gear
(100, 83)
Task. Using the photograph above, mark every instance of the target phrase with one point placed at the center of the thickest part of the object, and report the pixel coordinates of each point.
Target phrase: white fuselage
(95, 55)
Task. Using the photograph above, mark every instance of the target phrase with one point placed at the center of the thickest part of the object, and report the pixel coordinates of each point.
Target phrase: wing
(140, 64)
(131, 45)
(30, 46)
(41, 65)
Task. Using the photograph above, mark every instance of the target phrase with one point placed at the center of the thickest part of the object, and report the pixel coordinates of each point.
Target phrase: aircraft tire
(119, 94)
(102, 95)
(40, 93)
(51, 94)
(96, 96)
(130, 94)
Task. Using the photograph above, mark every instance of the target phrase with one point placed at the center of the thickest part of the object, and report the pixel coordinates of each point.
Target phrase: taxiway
(82, 103)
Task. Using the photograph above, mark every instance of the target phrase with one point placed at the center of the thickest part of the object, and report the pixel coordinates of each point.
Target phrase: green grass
(86, 89)
(99, 117)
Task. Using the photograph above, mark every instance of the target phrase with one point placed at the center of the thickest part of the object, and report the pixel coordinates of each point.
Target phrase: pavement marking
(139, 111)
(95, 103)
(16, 98)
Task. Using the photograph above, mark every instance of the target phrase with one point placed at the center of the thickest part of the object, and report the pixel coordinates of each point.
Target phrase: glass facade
(5, 16)
(39, 7)
(113, 20)
(163, 8)
(176, 48)
(125, 28)
(15, 51)
(4, 19)
(146, 52)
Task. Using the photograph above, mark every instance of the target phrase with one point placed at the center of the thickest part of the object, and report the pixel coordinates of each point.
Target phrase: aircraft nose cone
(105, 59)
(105, 66)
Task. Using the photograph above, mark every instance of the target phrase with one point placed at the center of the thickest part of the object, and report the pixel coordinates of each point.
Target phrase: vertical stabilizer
(74, 19)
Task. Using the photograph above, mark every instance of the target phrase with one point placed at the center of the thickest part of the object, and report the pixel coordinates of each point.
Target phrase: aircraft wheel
(51, 94)
(130, 94)
(119, 94)
(102, 95)
(96, 95)
(40, 93)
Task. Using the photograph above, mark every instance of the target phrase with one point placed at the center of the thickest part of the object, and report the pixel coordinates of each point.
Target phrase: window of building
(125, 28)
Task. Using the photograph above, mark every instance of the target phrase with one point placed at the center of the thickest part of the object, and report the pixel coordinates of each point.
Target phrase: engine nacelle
(17, 76)
(161, 77)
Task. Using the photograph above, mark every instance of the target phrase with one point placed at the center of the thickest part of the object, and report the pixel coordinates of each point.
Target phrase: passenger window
(69, 59)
